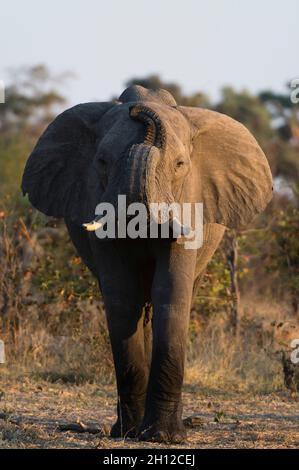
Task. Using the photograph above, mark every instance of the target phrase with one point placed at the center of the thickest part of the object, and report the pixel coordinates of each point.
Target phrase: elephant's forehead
(117, 118)
(118, 121)
(119, 131)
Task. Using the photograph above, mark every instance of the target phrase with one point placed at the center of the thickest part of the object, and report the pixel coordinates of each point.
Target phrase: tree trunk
(231, 249)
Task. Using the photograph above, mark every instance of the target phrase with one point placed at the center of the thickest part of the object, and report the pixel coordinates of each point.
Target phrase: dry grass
(249, 362)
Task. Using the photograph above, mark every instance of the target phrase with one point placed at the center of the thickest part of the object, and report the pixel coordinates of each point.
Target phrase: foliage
(29, 100)
(283, 252)
(214, 293)
(249, 110)
(30, 104)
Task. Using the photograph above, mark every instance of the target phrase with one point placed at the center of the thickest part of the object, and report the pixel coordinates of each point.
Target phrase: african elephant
(145, 146)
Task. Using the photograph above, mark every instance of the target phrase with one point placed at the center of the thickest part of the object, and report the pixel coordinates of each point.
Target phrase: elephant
(146, 147)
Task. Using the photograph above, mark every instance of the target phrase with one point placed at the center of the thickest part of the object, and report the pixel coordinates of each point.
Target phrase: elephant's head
(151, 150)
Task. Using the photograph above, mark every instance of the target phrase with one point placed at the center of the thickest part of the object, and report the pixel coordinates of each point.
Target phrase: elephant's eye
(179, 163)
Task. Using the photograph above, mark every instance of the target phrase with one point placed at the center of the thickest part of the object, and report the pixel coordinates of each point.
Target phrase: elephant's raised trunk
(146, 161)
(144, 180)
(155, 129)
(135, 178)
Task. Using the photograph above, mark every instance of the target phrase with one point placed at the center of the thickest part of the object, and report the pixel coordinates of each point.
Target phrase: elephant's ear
(234, 177)
(59, 172)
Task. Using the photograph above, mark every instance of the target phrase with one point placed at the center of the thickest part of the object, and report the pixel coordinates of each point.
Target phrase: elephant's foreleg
(125, 323)
(171, 295)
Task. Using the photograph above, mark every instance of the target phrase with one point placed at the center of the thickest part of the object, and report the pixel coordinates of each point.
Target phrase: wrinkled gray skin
(147, 147)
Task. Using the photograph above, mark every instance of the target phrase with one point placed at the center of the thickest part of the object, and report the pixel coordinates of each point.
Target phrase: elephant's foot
(125, 429)
(167, 427)
(128, 421)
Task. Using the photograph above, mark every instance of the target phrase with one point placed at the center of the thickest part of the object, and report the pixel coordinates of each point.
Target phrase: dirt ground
(31, 413)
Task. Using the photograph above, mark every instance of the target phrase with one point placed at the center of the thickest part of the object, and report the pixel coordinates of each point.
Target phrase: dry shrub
(249, 361)
(50, 328)
(78, 353)
(72, 351)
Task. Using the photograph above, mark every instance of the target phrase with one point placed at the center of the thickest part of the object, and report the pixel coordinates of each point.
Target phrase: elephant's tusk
(180, 229)
(93, 226)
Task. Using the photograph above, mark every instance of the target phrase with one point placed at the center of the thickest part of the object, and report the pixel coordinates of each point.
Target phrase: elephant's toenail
(177, 438)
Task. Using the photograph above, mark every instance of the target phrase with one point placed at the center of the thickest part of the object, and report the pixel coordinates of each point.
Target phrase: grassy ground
(33, 410)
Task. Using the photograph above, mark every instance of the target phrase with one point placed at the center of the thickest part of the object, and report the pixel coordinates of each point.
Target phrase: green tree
(31, 103)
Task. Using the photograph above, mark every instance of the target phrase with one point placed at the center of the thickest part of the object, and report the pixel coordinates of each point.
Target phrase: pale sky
(200, 44)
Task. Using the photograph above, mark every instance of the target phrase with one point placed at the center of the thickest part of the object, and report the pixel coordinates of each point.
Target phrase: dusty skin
(31, 413)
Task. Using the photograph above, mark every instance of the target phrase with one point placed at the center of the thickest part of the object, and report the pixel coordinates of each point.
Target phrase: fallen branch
(77, 427)
(80, 427)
